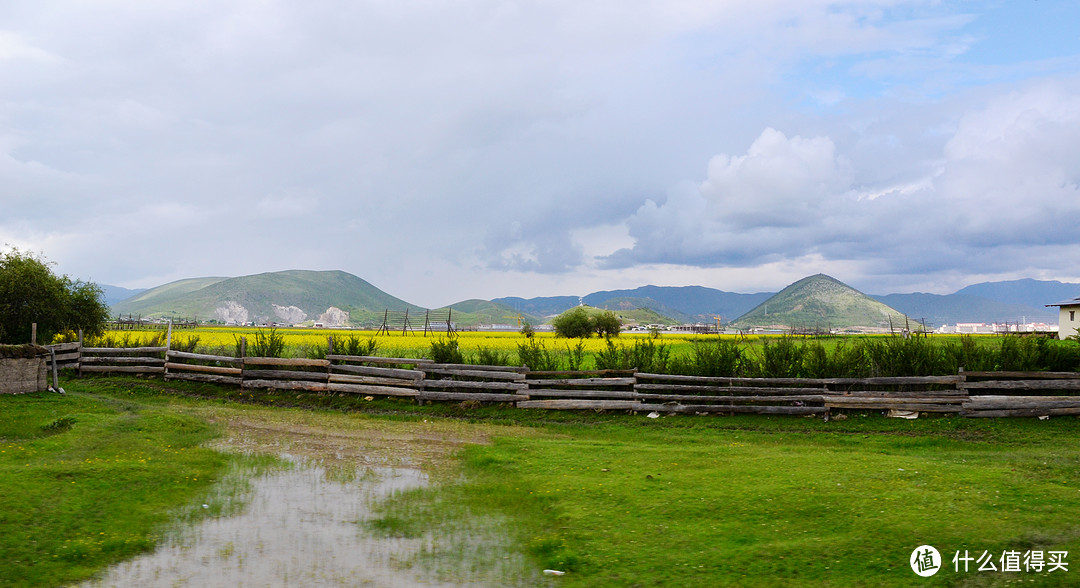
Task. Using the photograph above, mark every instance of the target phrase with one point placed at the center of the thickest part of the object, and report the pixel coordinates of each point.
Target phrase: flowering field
(699, 355)
(299, 342)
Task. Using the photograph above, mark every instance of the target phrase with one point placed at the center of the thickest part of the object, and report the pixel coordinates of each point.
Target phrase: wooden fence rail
(969, 394)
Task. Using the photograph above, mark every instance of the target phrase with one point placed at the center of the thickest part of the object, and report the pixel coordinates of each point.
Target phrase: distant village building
(1068, 317)
(995, 328)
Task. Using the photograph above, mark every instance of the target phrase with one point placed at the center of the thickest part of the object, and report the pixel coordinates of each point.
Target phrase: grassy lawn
(611, 499)
(85, 482)
(761, 502)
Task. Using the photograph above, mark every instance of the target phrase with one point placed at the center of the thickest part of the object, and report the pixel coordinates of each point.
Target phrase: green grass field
(611, 499)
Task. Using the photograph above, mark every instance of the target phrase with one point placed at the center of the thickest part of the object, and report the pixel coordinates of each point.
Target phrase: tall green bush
(31, 293)
(534, 355)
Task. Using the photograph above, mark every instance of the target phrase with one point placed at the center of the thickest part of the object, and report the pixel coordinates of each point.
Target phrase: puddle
(299, 526)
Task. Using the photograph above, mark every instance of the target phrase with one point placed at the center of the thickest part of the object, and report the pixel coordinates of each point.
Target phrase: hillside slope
(289, 297)
(821, 302)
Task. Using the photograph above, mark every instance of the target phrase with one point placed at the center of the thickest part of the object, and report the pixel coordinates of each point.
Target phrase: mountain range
(336, 297)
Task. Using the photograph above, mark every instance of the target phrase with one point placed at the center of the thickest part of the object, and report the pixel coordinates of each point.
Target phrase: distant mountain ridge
(271, 295)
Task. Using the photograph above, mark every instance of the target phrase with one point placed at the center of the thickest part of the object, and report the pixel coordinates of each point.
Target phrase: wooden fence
(969, 394)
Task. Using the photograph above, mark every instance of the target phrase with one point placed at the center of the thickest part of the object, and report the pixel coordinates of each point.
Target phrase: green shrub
(268, 343)
(573, 324)
(575, 356)
(781, 358)
(716, 358)
(645, 355)
(487, 356)
(446, 350)
(536, 357)
(354, 345)
(606, 324)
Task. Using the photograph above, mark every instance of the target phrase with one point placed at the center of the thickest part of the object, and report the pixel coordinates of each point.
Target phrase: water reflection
(299, 525)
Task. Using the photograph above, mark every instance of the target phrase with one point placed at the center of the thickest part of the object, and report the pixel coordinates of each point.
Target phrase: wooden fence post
(33, 333)
(78, 362)
(168, 346)
(55, 379)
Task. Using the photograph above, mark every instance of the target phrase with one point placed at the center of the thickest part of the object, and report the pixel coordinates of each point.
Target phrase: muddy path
(299, 523)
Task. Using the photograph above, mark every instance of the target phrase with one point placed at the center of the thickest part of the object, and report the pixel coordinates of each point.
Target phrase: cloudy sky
(482, 148)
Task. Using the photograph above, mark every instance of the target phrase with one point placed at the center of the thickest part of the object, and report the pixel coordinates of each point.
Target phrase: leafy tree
(31, 293)
(573, 324)
(606, 324)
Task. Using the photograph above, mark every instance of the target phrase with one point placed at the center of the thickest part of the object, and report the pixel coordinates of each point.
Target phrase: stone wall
(22, 375)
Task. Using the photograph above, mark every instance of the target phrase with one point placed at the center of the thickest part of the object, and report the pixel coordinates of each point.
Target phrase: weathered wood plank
(426, 395)
(344, 379)
(741, 390)
(584, 404)
(865, 404)
(286, 375)
(123, 360)
(1025, 375)
(580, 393)
(750, 409)
(379, 360)
(605, 373)
(1060, 384)
(428, 367)
(473, 385)
(204, 357)
(1024, 412)
(694, 398)
(996, 404)
(582, 382)
(286, 385)
(887, 398)
(120, 350)
(993, 398)
(206, 369)
(67, 357)
(364, 370)
(287, 361)
(961, 394)
(59, 347)
(374, 390)
(208, 378)
(732, 381)
(125, 369)
(471, 373)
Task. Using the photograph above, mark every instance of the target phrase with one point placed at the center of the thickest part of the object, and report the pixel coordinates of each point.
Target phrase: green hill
(821, 302)
(658, 313)
(631, 317)
(146, 303)
(468, 313)
(289, 297)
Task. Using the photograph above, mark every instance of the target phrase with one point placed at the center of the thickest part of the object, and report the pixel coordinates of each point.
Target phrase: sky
(476, 149)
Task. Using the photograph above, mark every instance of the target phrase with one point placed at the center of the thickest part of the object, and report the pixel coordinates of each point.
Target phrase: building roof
(1069, 302)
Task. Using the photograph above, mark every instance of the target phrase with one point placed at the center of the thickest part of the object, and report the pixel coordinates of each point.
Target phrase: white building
(1068, 317)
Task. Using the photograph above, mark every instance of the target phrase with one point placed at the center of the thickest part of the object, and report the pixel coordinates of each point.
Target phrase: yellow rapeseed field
(298, 341)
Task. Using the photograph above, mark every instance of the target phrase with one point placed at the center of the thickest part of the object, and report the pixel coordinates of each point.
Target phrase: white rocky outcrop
(231, 313)
(334, 317)
(289, 315)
